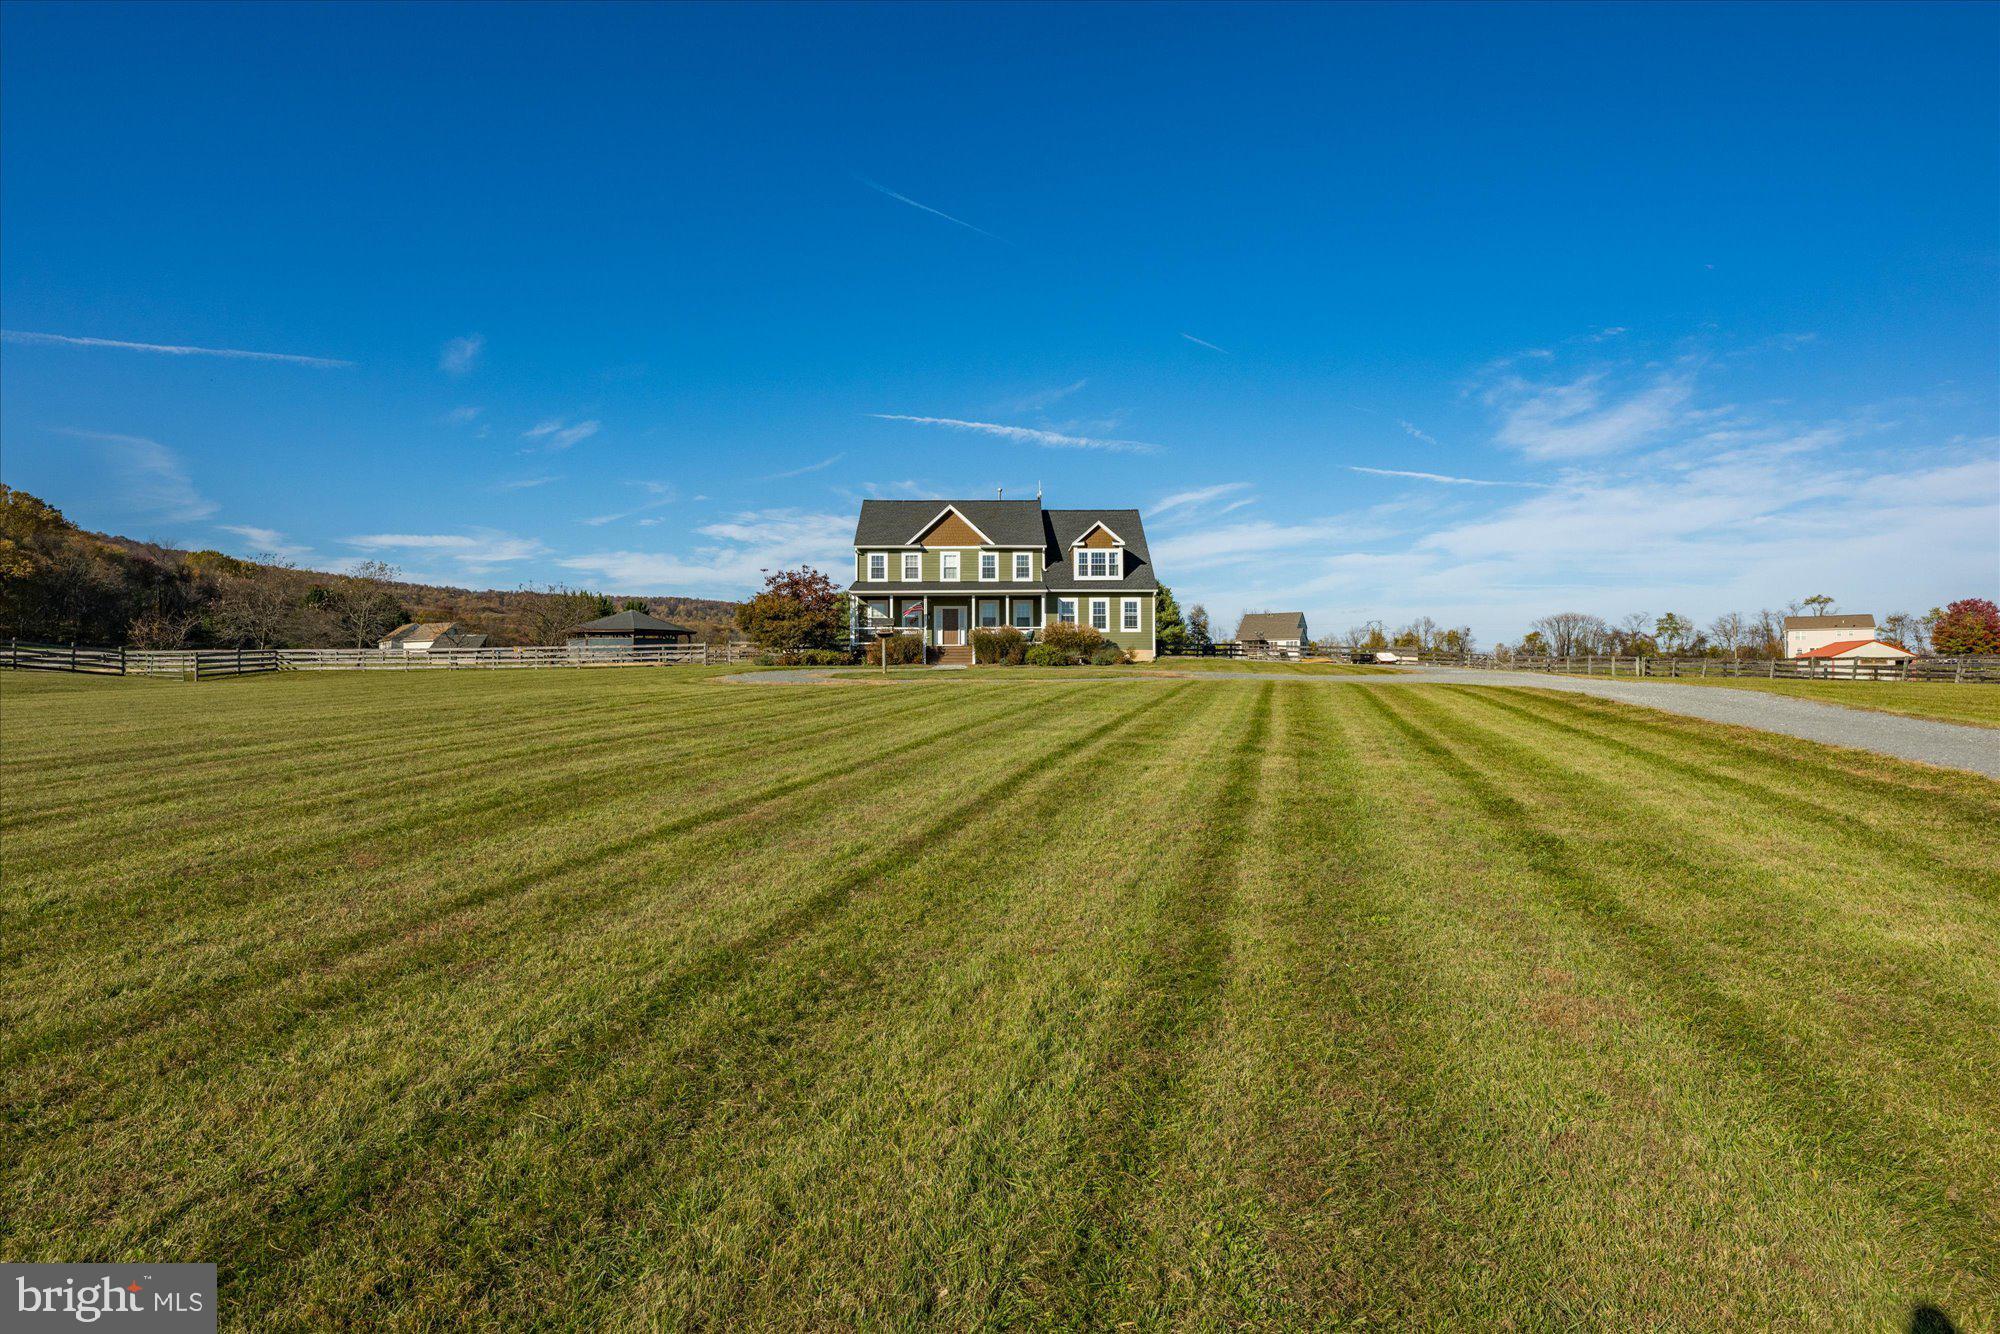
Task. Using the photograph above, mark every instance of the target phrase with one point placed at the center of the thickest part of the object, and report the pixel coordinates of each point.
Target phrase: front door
(951, 630)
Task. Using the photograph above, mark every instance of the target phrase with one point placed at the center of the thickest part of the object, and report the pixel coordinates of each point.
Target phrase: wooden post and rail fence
(211, 663)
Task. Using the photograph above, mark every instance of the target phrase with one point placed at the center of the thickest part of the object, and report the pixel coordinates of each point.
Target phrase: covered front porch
(946, 620)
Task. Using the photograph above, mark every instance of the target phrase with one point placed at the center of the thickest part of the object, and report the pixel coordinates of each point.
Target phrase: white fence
(200, 664)
(1964, 670)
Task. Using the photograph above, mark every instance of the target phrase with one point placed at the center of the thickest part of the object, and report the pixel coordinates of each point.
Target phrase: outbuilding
(629, 630)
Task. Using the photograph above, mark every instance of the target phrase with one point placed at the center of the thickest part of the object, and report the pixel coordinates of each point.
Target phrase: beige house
(423, 636)
(1280, 634)
(1803, 634)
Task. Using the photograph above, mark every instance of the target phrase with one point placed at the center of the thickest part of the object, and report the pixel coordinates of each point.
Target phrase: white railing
(198, 664)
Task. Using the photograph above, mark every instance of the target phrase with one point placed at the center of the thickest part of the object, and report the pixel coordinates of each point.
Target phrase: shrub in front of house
(1076, 643)
(1004, 645)
(1045, 655)
(1108, 656)
(903, 650)
(808, 657)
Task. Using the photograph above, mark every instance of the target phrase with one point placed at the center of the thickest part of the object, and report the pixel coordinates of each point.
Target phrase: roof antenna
(1038, 490)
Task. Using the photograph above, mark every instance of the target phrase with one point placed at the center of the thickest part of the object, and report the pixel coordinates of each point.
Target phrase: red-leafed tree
(1967, 628)
(798, 609)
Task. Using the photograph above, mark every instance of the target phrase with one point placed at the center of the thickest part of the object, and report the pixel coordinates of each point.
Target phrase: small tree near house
(797, 609)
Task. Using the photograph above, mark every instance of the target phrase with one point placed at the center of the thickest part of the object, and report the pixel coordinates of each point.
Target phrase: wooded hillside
(60, 583)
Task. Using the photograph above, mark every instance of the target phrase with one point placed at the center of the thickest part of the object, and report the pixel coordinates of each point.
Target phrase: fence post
(121, 660)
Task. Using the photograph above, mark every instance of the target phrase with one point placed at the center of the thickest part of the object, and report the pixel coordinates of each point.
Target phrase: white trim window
(989, 613)
(1100, 563)
(913, 567)
(1024, 613)
(1130, 621)
(1100, 613)
(948, 566)
(1066, 611)
(1024, 565)
(989, 566)
(878, 565)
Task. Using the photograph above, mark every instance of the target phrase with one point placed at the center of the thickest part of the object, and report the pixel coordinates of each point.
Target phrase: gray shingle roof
(892, 523)
(628, 621)
(422, 632)
(1269, 625)
(1863, 622)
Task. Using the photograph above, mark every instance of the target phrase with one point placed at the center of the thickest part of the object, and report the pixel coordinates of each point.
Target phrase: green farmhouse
(943, 568)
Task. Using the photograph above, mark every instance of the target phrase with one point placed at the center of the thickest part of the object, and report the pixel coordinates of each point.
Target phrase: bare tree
(262, 609)
(1911, 631)
(1767, 633)
(1730, 630)
(1571, 632)
(556, 611)
(363, 606)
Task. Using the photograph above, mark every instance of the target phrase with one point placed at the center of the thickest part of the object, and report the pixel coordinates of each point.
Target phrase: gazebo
(628, 630)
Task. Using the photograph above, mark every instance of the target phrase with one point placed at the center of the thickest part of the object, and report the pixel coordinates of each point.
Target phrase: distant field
(630, 997)
(1977, 704)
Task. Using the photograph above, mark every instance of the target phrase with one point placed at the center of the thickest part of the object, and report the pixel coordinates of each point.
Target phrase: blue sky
(1477, 313)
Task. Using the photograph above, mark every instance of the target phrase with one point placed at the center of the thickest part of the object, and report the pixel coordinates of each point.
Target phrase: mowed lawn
(629, 998)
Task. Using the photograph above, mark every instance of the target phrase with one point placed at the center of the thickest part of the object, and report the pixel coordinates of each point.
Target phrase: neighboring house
(1857, 650)
(944, 568)
(627, 630)
(423, 636)
(1280, 633)
(1805, 633)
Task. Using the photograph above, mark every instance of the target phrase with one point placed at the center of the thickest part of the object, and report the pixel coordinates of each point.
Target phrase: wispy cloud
(265, 541)
(555, 433)
(149, 478)
(1588, 415)
(661, 493)
(732, 557)
(1438, 477)
(821, 466)
(935, 212)
(1046, 398)
(460, 355)
(1203, 342)
(1416, 432)
(1024, 434)
(461, 416)
(523, 483)
(167, 349)
(1200, 496)
(477, 549)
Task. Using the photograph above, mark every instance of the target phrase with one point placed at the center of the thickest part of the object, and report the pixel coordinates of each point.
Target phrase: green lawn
(575, 999)
(1946, 701)
(1279, 668)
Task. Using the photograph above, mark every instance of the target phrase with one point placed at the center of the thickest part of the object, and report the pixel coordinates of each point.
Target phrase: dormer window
(1099, 563)
(878, 565)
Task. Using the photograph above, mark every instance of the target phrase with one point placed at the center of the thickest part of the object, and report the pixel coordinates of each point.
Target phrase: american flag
(914, 612)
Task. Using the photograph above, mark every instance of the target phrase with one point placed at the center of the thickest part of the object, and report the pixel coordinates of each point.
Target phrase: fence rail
(1962, 670)
(204, 664)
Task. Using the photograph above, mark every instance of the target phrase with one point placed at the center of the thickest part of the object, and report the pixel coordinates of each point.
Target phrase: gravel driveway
(1953, 745)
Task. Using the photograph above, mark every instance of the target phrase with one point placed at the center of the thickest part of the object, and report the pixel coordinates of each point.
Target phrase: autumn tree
(797, 609)
(364, 606)
(1968, 628)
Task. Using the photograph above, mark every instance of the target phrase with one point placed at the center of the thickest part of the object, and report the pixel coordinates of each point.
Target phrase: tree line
(1968, 627)
(63, 584)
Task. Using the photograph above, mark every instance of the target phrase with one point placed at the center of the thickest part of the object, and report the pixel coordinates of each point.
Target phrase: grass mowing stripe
(1838, 816)
(791, 1036)
(476, 1113)
(1186, 955)
(609, 752)
(335, 990)
(1862, 1142)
